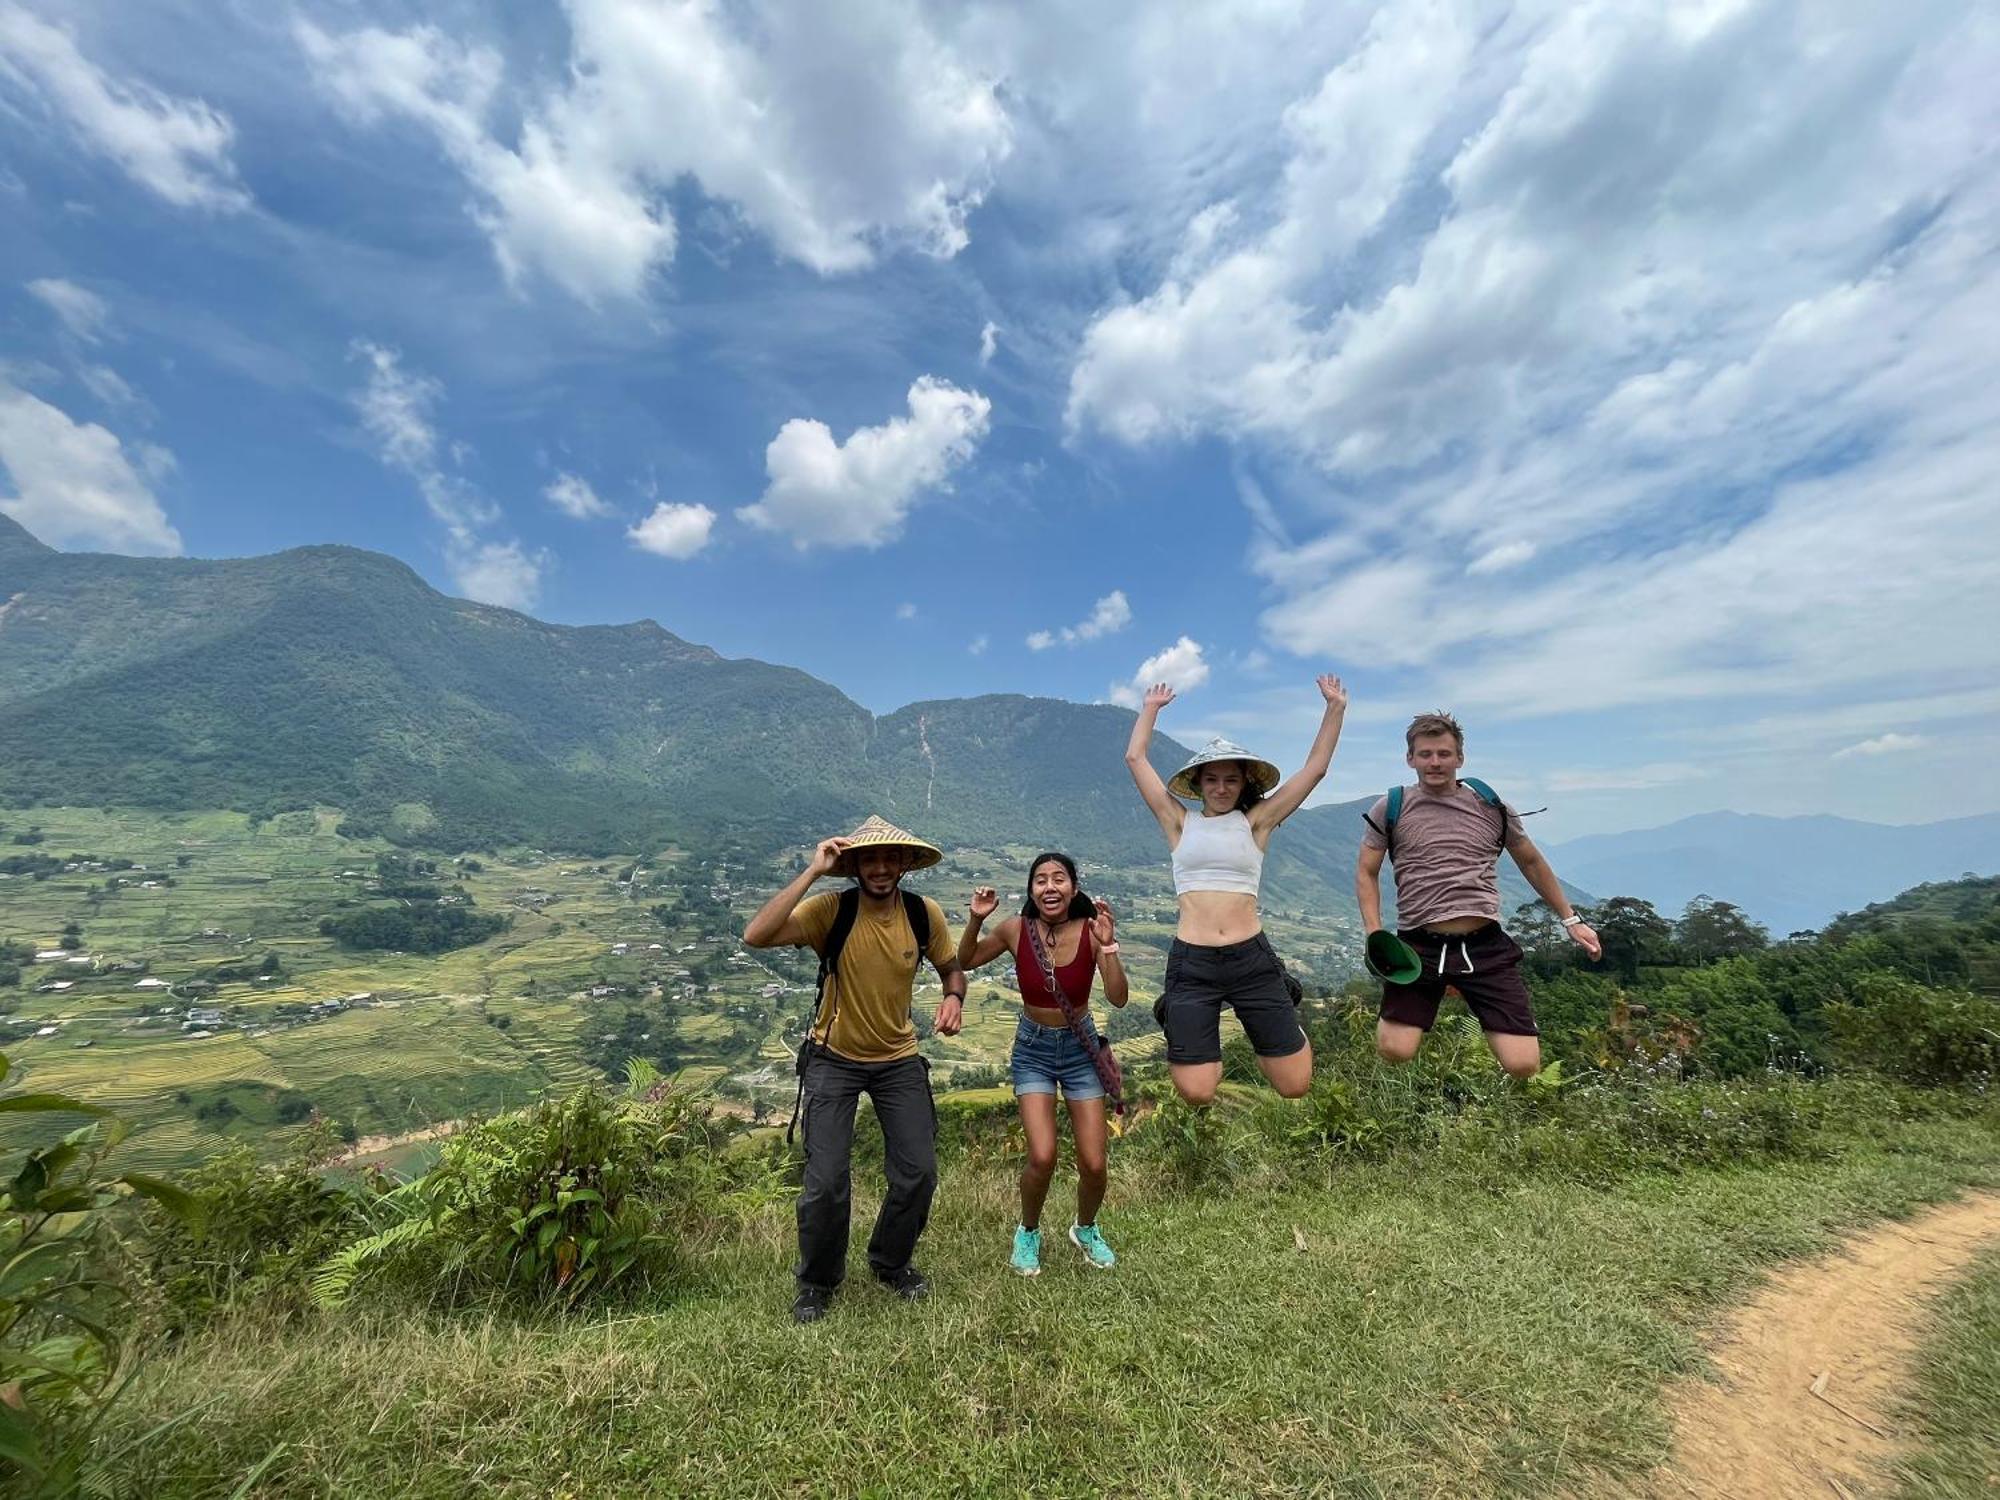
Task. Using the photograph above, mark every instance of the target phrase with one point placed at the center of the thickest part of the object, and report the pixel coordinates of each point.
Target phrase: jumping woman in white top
(1220, 954)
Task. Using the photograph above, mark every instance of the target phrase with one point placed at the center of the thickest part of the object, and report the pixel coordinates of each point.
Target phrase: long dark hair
(1080, 905)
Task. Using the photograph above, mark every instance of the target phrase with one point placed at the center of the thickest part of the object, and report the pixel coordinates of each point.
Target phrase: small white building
(150, 983)
(51, 955)
(47, 1031)
(55, 986)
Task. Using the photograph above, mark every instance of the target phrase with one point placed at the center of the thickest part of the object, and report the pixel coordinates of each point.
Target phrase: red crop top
(1074, 976)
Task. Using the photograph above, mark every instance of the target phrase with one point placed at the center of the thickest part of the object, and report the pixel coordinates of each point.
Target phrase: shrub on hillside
(1920, 1035)
(261, 1230)
(570, 1197)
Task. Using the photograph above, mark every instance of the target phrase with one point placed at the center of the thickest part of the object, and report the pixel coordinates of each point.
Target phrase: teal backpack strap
(1392, 809)
(1491, 798)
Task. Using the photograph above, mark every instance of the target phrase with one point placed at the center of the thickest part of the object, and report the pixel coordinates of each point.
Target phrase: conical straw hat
(877, 832)
(1263, 775)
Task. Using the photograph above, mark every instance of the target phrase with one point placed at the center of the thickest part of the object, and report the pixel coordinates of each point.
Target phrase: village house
(55, 986)
(51, 955)
(152, 983)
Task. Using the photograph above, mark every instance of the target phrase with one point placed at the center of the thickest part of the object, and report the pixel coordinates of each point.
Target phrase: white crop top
(1217, 854)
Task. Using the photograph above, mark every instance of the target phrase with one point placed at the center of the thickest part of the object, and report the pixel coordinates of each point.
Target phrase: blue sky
(1619, 375)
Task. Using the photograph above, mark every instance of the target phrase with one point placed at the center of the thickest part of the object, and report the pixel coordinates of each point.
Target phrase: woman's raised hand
(985, 901)
(1331, 690)
(1104, 926)
(1158, 696)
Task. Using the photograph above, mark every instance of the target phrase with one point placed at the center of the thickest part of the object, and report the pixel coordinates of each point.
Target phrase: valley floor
(1383, 1331)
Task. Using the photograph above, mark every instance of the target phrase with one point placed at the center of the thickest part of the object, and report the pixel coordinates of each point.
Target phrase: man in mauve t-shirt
(1444, 847)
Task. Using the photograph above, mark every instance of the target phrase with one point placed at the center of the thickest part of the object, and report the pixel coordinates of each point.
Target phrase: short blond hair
(1433, 723)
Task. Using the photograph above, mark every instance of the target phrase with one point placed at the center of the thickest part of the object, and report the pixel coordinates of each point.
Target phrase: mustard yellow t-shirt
(868, 1001)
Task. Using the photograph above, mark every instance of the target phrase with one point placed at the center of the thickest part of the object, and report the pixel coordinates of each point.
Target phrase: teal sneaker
(1087, 1239)
(1027, 1257)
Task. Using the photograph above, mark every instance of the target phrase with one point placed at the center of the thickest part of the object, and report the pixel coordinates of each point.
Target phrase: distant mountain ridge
(1788, 873)
(336, 676)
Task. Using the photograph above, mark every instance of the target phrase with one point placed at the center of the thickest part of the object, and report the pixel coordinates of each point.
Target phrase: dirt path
(1812, 1365)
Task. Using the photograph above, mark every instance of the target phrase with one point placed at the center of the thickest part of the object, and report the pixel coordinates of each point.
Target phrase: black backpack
(845, 910)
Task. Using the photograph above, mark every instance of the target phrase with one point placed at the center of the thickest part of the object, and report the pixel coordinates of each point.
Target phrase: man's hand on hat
(985, 901)
(827, 856)
(950, 1016)
(1585, 936)
(1331, 690)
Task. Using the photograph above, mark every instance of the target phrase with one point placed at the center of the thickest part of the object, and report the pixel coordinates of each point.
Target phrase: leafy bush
(419, 929)
(1920, 1035)
(259, 1231)
(66, 1344)
(572, 1196)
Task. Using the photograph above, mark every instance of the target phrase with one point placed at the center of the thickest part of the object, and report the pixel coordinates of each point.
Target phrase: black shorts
(1483, 965)
(1249, 978)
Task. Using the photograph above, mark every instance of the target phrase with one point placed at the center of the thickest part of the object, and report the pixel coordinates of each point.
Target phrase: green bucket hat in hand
(1389, 957)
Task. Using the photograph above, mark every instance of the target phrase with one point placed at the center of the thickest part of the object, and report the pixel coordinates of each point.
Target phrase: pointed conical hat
(1263, 775)
(877, 832)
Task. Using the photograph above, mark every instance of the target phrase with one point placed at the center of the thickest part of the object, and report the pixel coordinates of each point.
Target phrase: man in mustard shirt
(862, 1042)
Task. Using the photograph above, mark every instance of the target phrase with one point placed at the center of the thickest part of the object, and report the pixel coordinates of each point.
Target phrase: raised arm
(1165, 808)
(774, 926)
(1536, 870)
(1288, 798)
(974, 950)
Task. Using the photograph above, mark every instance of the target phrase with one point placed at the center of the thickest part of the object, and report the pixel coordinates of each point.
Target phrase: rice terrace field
(386, 1044)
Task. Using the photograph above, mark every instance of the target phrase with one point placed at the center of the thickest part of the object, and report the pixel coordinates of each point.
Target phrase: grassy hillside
(1438, 1317)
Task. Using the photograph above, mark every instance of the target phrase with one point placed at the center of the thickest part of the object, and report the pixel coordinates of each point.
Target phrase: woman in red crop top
(1078, 938)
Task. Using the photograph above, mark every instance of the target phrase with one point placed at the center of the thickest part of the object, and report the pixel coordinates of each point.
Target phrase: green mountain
(328, 675)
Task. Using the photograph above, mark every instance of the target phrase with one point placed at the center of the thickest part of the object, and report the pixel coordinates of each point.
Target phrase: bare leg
(1038, 1118)
(1087, 1124)
(1519, 1055)
(1195, 1082)
(1397, 1042)
(1290, 1076)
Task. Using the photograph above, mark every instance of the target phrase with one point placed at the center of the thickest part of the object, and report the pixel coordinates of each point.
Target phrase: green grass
(1954, 1407)
(1397, 1328)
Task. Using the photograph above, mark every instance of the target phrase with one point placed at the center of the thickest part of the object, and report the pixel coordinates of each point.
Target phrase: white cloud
(81, 311)
(676, 531)
(501, 573)
(989, 342)
(73, 484)
(176, 148)
(1883, 744)
(1181, 666)
(1694, 297)
(1110, 614)
(1501, 558)
(573, 496)
(979, 645)
(832, 130)
(906, 611)
(395, 408)
(858, 493)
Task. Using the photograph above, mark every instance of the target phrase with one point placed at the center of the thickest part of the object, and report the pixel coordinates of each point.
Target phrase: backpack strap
(845, 910)
(1392, 810)
(919, 916)
(1491, 798)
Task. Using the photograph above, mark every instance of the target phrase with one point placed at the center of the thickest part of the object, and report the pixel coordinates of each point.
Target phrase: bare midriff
(1458, 924)
(1210, 919)
(1041, 1015)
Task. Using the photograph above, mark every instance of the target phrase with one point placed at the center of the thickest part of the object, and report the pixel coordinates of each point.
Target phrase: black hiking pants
(901, 1094)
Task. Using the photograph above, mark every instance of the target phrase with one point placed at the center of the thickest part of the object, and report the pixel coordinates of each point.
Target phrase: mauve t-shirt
(1445, 854)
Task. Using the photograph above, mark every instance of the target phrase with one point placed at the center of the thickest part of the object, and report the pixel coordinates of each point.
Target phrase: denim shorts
(1045, 1056)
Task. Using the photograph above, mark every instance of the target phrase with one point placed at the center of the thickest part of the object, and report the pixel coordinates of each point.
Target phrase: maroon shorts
(1483, 965)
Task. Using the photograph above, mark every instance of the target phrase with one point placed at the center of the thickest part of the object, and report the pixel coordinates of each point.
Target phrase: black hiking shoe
(908, 1283)
(811, 1304)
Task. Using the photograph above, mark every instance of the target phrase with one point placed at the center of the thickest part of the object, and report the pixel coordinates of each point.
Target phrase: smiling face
(879, 867)
(1436, 759)
(1220, 783)
(1050, 890)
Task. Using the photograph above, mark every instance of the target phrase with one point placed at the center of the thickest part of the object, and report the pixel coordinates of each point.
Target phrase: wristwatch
(1108, 948)
(1572, 920)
